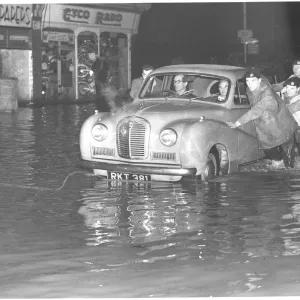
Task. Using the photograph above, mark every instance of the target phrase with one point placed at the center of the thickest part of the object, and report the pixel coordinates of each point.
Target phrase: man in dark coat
(138, 82)
(275, 126)
(292, 100)
(100, 70)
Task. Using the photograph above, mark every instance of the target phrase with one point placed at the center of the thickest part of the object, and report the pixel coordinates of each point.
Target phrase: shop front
(16, 47)
(74, 35)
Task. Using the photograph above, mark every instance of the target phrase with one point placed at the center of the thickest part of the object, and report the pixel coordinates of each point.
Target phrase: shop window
(57, 64)
(114, 54)
(87, 52)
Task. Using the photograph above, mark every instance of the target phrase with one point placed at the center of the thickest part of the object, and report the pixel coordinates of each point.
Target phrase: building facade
(73, 35)
(16, 46)
(50, 48)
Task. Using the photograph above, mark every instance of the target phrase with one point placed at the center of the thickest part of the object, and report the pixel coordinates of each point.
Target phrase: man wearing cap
(279, 87)
(275, 126)
(137, 83)
(292, 101)
(292, 97)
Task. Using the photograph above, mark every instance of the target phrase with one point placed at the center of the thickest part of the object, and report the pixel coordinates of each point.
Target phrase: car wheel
(211, 168)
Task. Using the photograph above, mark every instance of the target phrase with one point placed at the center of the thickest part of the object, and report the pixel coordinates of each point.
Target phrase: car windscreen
(202, 87)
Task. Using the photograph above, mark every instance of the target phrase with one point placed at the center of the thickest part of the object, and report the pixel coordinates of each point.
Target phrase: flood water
(66, 233)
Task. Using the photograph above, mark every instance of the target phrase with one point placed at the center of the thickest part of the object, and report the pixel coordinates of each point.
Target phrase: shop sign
(58, 37)
(109, 19)
(63, 13)
(36, 24)
(245, 33)
(76, 15)
(19, 38)
(253, 49)
(15, 15)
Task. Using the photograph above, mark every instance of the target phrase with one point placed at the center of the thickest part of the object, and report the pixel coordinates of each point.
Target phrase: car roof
(219, 70)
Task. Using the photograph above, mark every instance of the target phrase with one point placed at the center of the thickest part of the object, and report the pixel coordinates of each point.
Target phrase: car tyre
(211, 167)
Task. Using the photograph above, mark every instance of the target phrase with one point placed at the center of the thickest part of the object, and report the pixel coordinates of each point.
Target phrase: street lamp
(245, 28)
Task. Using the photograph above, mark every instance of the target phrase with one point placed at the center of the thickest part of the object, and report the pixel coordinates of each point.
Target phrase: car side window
(214, 88)
(240, 95)
(153, 85)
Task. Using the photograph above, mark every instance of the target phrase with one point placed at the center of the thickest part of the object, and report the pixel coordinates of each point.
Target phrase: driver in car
(180, 84)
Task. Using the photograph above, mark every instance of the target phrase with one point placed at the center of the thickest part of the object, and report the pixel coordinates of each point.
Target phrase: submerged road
(66, 233)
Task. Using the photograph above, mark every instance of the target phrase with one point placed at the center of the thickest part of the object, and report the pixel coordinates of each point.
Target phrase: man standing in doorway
(275, 126)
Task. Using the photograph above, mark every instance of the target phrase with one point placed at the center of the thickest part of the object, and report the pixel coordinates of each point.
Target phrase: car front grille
(133, 138)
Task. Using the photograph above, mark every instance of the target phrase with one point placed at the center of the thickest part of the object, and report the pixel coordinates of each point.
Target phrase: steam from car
(115, 98)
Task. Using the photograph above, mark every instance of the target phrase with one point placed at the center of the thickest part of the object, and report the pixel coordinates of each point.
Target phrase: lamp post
(245, 27)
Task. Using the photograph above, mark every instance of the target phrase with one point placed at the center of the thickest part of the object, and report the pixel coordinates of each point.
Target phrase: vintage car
(165, 137)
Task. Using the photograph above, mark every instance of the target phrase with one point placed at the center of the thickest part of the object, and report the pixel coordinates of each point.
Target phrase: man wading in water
(275, 126)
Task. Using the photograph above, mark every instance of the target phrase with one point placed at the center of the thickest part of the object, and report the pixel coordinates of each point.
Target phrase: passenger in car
(223, 88)
(275, 126)
(180, 85)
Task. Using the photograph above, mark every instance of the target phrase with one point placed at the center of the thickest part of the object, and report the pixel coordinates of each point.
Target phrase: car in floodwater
(165, 137)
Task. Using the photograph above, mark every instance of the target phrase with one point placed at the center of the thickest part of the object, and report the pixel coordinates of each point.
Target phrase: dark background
(197, 31)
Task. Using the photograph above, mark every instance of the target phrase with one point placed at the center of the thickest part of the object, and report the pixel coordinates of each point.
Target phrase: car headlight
(100, 132)
(168, 137)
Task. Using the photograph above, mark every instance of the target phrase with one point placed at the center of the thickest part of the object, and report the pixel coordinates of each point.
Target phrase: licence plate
(127, 176)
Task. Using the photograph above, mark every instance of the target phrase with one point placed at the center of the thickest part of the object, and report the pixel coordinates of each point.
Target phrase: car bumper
(126, 168)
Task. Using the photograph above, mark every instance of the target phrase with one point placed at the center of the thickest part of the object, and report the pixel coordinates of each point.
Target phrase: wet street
(66, 233)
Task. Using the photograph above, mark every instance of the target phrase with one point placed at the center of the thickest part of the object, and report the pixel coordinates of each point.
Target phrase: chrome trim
(134, 169)
(96, 151)
(163, 156)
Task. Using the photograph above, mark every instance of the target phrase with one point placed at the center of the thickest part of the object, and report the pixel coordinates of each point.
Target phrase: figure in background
(100, 70)
(123, 64)
(138, 82)
(275, 126)
(279, 87)
(292, 100)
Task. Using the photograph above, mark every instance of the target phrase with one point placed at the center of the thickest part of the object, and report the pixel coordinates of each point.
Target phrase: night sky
(197, 31)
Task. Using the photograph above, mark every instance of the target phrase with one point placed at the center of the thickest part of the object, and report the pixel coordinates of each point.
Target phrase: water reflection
(290, 226)
(194, 220)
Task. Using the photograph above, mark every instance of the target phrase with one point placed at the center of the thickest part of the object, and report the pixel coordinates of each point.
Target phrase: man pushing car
(275, 125)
